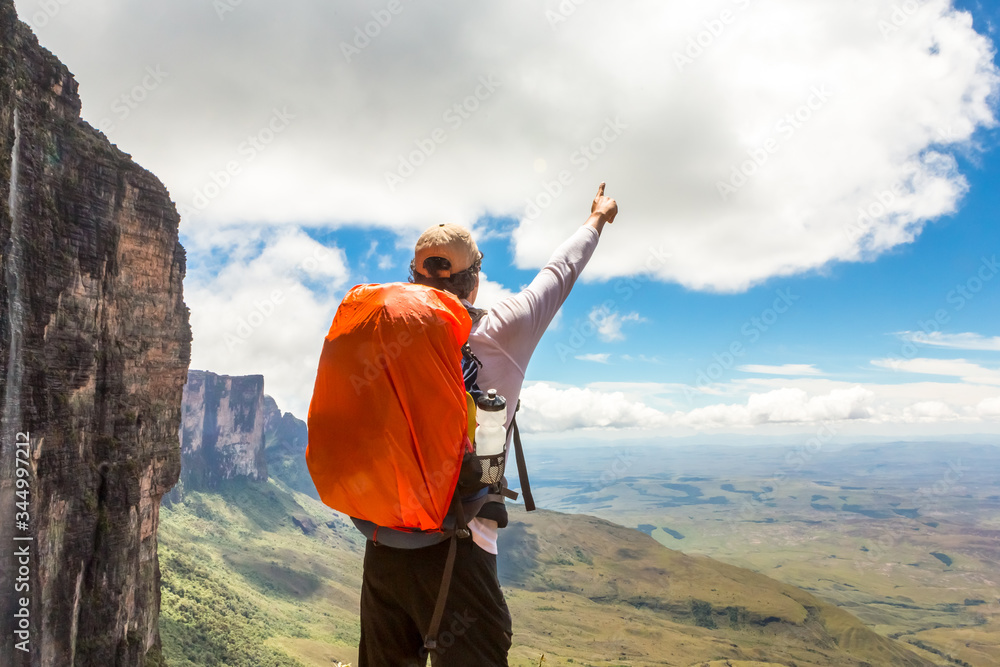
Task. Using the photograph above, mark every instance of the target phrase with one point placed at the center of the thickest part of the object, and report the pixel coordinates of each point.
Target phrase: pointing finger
(600, 190)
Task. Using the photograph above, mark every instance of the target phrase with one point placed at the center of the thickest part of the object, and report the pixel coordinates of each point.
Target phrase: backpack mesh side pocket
(492, 468)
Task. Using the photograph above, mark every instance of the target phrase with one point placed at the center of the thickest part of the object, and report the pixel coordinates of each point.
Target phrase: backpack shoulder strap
(470, 371)
(522, 470)
(475, 313)
(461, 532)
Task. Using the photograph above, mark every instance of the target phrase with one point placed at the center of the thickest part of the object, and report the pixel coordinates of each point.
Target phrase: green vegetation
(942, 557)
(154, 658)
(242, 586)
(866, 550)
(258, 574)
(206, 622)
(702, 612)
(930, 649)
(737, 617)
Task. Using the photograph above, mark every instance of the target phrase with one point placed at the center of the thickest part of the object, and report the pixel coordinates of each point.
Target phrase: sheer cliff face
(222, 429)
(94, 348)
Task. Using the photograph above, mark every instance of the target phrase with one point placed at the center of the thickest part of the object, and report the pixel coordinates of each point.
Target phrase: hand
(604, 209)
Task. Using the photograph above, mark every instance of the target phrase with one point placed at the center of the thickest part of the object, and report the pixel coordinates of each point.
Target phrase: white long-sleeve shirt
(505, 338)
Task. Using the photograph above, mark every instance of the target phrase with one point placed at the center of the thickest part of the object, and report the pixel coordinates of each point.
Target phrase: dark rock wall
(94, 349)
(222, 429)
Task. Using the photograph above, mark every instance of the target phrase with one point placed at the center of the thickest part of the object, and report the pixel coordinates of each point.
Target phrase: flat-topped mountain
(222, 429)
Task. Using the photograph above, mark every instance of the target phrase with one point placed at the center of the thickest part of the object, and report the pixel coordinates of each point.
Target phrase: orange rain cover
(388, 418)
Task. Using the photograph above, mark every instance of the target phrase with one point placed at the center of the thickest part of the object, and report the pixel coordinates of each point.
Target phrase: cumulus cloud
(960, 341)
(890, 402)
(788, 136)
(789, 405)
(785, 369)
(553, 408)
(989, 407)
(648, 407)
(240, 316)
(929, 411)
(490, 293)
(548, 408)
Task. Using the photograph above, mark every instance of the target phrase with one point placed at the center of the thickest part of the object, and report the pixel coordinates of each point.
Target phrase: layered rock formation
(231, 430)
(222, 429)
(94, 348)
(286, 438)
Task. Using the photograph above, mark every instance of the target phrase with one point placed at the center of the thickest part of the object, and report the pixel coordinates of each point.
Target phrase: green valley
(904, 536)
(750, 556)
(255, 573)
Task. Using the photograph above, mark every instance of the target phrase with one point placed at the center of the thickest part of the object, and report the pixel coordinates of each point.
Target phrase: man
(401, 585)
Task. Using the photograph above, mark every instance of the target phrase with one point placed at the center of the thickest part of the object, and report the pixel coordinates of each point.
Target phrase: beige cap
(451, 242)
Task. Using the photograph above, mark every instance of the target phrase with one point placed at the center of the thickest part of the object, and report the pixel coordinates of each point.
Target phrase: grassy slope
(615, 595)
(880, 570)
(243, 585)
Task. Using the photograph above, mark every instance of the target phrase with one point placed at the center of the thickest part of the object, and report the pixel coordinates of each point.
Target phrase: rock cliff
(222, 429)
(94, 349)
(286, 437)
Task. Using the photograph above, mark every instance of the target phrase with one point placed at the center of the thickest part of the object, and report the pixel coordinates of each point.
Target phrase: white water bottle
(491, 433)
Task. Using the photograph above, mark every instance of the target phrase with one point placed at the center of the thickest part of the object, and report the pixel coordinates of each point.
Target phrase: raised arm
(519, 322)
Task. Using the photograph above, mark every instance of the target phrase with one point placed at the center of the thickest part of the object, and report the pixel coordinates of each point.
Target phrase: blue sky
(314, 164)
(842, 317)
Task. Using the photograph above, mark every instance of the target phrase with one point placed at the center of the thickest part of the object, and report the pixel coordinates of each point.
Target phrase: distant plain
(905, 536)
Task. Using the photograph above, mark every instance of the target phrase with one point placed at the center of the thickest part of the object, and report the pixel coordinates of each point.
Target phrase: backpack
(392, 423)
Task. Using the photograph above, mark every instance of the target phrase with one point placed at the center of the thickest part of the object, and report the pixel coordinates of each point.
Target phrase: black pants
(398, 594)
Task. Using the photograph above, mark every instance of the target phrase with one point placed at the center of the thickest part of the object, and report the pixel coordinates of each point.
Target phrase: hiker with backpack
(406, 373)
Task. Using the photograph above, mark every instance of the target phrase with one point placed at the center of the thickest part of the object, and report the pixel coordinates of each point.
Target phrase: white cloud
(890, 401)
(929, 411)
(490, 293)
(960, 341)
(796, 404)
(785, 369)
(959, 368)
(885, 109)
(989, 407)
(609, 325)
(602, 358)
(788, 405)
(383, 262)
(642, 358)
(240, 316)
(547, 408)
(552, 408)
(637, 390)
